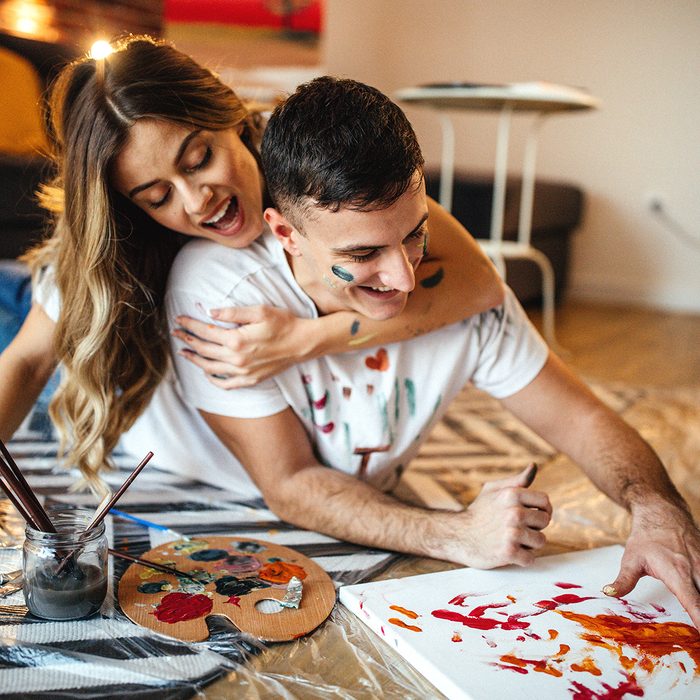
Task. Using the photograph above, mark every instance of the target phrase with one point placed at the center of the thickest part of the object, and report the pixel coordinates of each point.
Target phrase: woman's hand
(267, 341)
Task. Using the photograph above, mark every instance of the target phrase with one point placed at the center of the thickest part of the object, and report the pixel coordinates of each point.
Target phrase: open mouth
(226, 217)
(379, 292)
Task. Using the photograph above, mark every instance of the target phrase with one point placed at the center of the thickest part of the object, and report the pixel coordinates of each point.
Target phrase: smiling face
(362, 261)
(201, 183)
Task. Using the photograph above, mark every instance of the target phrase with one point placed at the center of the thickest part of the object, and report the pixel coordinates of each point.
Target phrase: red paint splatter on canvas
(479, 623)
(626, 687)
(180, 607)
(562, 584)
(456, 637)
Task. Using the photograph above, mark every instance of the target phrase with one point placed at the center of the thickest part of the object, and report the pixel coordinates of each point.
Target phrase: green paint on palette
(433, 280)
(410, 396)
(355, 327)
(342, 273)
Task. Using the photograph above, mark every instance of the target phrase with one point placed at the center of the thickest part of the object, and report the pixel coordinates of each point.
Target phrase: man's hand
(664, 543)
(503, 525)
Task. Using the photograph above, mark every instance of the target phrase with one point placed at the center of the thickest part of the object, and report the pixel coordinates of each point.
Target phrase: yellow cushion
(21, 125)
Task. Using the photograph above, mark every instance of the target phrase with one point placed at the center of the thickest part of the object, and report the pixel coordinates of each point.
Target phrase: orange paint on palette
(655, 639)
(586, 665)
(404, 611)
(539, 665)
(401, 623)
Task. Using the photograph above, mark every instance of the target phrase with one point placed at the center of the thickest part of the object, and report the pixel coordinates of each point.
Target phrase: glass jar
(65, 572)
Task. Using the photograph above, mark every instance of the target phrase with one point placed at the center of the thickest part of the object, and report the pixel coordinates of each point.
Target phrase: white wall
(640, 57)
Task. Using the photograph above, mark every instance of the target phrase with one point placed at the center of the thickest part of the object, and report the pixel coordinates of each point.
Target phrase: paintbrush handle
(99, 517)
(14, 480)
(150, 564)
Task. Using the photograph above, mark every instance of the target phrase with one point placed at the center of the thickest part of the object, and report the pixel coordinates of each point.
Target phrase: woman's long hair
(109, 259)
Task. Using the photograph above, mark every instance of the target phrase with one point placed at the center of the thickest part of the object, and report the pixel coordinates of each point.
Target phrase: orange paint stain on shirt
(401, 623)
(656, 639)
(539, 665)
(404, 611)
(587, 665)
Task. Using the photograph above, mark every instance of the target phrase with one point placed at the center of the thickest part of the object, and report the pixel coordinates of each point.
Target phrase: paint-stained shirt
(367, 411)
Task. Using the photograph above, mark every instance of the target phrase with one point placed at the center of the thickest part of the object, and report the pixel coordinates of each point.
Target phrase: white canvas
(542, 632)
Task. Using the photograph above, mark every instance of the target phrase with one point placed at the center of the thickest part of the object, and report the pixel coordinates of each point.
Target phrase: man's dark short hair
(338, 143)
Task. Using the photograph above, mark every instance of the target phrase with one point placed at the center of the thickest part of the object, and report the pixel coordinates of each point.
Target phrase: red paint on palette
(234, 600)
(180, 607)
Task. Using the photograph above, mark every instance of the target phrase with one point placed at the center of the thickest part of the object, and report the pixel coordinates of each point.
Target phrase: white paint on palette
(547, 631)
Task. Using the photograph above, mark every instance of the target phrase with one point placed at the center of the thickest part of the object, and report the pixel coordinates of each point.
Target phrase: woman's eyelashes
(201, 164)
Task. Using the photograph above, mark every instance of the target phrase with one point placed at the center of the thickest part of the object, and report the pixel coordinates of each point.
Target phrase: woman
(102, 274)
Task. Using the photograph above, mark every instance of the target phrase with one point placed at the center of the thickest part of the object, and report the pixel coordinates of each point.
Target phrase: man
(325, 440)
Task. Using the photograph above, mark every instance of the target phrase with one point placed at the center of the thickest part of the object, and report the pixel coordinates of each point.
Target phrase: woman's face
(201, 183)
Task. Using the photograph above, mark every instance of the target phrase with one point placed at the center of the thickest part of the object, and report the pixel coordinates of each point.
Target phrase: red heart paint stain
(379, 362)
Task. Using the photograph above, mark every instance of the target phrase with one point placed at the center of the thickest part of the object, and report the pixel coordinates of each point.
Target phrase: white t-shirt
(169, 427)
(367, 411)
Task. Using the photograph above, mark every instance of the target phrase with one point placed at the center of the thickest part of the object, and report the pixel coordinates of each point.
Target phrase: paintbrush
(101, 513)
(148, 523)
(152, 565)
(14, 479)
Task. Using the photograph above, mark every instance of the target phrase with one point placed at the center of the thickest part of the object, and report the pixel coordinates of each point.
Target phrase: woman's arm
(25, 366)
(454, 281)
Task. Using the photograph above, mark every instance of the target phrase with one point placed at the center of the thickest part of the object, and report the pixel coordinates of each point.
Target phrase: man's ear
(285, 232)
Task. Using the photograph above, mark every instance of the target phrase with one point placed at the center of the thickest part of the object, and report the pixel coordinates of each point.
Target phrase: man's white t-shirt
(367, 411)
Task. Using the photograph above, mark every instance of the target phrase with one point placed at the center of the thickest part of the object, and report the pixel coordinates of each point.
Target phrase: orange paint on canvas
(553, 634)
(655, 639)
(539, 665)
(404, 611)
(401, 623)
(586, 665)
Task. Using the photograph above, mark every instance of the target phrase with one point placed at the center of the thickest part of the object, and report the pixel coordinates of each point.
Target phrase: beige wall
(641, 57)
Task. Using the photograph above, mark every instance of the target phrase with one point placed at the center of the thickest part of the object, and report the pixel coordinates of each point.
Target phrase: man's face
(363, 261)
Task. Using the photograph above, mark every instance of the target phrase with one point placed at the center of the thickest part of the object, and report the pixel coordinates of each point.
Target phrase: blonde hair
(110, 260)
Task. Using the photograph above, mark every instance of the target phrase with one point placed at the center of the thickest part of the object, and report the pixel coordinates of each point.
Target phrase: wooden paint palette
(233, 575)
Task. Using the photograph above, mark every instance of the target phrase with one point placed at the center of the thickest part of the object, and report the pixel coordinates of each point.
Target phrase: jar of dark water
(65, 572)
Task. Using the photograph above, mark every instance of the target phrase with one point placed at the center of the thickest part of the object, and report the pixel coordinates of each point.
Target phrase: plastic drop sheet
(108, 656)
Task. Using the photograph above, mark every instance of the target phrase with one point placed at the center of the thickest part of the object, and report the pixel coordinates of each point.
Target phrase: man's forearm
(332, 502)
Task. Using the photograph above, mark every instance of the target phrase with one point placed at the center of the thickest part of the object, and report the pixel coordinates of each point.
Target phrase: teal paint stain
(410, 396)
(433, 280)
(384, 411)
(354, 328)
(396, 400)
(349, 452)
(342, 273)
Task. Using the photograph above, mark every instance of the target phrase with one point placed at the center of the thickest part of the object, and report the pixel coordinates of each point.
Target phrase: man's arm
(664, 542)
(502, 526)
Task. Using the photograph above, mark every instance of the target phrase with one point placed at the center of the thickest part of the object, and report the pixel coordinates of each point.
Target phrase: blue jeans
(15, 302)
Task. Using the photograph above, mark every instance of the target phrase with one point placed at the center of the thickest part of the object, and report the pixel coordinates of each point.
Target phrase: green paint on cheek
(433, 280)
(410, 396)
(425, 244)
(342, 273)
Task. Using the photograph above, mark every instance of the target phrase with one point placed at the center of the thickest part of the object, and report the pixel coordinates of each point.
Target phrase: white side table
(541, 99)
